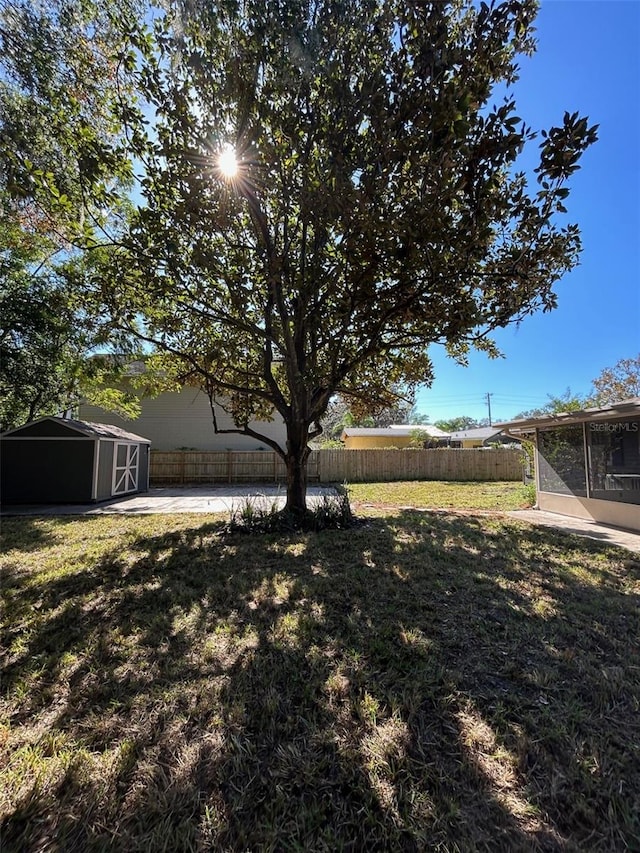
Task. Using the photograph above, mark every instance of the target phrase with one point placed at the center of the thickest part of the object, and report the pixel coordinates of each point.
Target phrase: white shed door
(126, 458)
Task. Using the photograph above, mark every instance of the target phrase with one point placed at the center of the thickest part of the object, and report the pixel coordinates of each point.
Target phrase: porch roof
(524, 426)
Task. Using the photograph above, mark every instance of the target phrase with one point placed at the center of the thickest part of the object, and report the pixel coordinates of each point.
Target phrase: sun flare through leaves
(228, 163)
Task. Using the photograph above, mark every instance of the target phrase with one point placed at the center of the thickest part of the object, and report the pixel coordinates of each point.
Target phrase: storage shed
(56, 460)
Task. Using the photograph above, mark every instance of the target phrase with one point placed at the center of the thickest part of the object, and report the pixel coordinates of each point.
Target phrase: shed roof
(90, 430)
(625, 408)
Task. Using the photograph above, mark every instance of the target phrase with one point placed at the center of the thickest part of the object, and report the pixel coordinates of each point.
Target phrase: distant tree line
(612, 385)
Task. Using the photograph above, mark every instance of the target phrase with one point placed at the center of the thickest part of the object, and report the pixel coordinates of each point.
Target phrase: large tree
(40, 340)
(612, 385)
(457, 424)
(62, 168)
(47, 336)
(568, 401)
(340, 414)
(326, 189)
(61, 178)
(617, 383)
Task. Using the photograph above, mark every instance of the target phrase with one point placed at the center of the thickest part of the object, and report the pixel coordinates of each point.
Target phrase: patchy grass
(420, 682)
(439, 494)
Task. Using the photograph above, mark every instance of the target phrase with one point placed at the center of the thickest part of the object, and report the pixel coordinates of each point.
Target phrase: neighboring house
(183, 420)
(587, 462)
(479, 437)
(398, 435)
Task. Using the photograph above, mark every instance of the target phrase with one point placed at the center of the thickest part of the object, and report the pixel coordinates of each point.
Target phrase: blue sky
(587, 60)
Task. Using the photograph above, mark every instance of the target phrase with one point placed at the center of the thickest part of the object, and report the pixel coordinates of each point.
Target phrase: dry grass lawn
(425, 681)
(440, 494)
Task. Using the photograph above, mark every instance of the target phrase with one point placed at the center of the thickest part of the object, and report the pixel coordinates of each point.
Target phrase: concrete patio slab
(581, 527)
(199, 499)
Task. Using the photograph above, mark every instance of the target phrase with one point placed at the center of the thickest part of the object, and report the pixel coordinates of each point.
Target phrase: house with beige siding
(183, 420)
(397, 435)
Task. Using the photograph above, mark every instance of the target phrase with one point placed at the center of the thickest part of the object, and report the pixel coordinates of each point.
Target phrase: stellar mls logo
(607, 427)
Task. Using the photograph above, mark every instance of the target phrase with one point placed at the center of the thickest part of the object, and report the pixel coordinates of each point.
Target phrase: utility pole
(489, 396)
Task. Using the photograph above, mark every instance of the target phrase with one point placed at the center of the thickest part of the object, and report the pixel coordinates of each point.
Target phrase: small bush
(529, 490)
(333, 512)
(256, 514)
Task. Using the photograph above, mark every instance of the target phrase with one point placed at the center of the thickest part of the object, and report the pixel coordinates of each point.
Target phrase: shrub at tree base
(257, 514)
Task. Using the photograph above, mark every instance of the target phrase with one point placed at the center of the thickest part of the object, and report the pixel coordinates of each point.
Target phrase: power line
(508, 395)
(451, 396)
(504, 400)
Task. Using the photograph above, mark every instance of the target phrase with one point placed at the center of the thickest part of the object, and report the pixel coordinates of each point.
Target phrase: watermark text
(615, 427)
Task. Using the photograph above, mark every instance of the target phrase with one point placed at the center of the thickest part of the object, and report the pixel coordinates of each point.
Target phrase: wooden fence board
(179, 467)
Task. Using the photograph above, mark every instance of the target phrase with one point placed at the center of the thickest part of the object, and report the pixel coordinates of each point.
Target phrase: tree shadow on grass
(29, 533)
(422, 682)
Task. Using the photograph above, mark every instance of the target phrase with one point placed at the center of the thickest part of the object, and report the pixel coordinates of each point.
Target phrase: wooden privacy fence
(226, 466)
(181, 467)
(371, 466)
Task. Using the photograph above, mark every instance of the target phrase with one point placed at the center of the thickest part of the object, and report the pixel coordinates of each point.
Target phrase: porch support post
(587, 461)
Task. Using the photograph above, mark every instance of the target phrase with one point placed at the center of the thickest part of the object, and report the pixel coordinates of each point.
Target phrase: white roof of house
(394, 431)
(479, 433)
(431, 430)
(351, 431)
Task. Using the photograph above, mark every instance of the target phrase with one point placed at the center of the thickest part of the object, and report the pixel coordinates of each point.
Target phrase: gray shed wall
(143, 472)
(105, 468)
(105, 471)
(46, 471)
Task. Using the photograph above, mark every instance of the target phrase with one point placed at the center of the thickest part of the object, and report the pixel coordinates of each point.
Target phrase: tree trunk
(296, 461)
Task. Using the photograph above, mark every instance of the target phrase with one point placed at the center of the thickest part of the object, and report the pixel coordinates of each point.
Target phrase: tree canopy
(617, 383)
(40, 343)
(48, 337)
(459, 423)
(568, 401)
(340, 415)
(368, 202)
(56, 133)
(612, 385)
